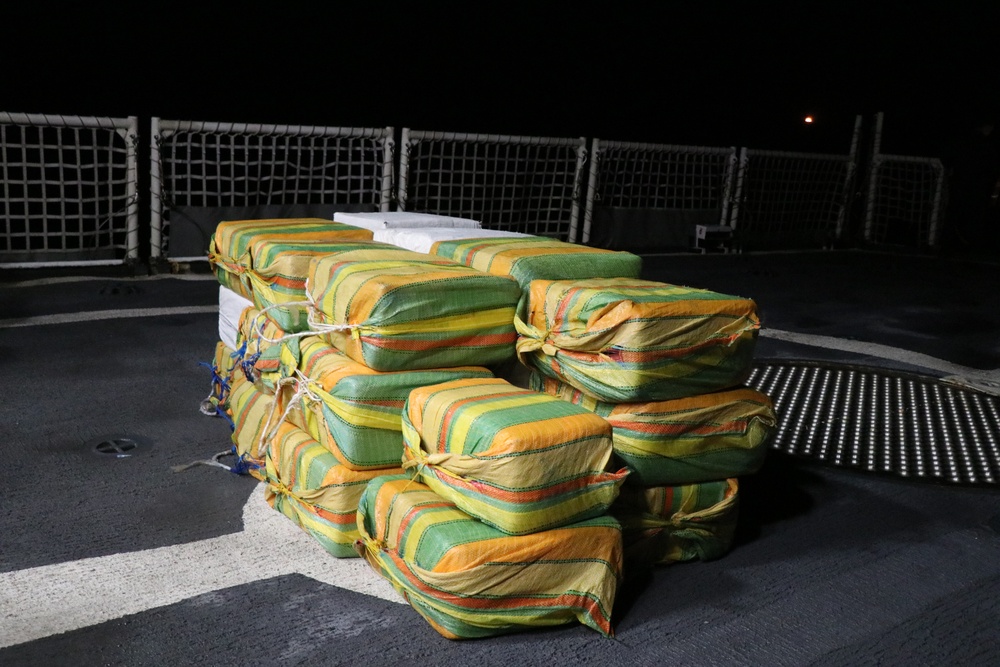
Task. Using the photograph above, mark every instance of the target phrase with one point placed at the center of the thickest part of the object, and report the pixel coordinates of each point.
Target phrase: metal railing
(202, 173)
(69, 194)
(522, 184)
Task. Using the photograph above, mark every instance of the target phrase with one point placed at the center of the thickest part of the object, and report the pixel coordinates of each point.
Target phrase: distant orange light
(808, 119)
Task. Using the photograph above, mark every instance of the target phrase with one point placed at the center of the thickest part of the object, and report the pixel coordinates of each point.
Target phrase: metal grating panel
(883, 421)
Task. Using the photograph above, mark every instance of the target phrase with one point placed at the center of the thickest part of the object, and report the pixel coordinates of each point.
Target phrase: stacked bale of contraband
(397, 310)
(468, 579)
(342, 428)
(664, 365)
(686, 455)
(230, 247)
(526, 258)
(261, 265)
(504, 524)
(531, 258)
(440, 316)
(307, 484)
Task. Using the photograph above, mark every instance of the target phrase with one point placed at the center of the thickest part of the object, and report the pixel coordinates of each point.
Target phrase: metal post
(574, 216)
(852, 166)
(388, 169)
(588, 211)
(876, 161)
(404, 169)
(131, 190)
(155, 190)
(737, 196)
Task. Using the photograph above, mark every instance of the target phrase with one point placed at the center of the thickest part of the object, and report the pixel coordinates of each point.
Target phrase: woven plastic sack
(354, 411)
(685, 440)
(519, 460)
(278, 271)
(307, 484)
(259, 354)
(629, 341)
(400, 310)
(224, 366)
(666, 525)
(252, 416)
(470, 580)
(539, 258)
(229, 248)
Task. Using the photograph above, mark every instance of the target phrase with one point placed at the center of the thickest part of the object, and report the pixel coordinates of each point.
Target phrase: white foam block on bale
(422, 240)
(403, 220)
(231, 305)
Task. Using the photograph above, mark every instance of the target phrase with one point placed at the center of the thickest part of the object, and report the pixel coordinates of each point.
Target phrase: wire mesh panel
(637, 191)
(521, 184)
(203, 173)
(68, 190)
(791, 200)
(904, 200)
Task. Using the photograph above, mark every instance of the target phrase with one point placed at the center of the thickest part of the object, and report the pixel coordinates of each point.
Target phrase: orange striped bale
(666, 525)
(307, 484)
(396, 310)
(354, 411)
(627, 341)
(468, 579)
(251, 411)
(519, 460)
(685, 440)
(229, 248)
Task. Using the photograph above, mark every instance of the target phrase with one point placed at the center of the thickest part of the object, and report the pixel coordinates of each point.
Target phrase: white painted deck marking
(974, 377)
(51, 599)
(93, 315)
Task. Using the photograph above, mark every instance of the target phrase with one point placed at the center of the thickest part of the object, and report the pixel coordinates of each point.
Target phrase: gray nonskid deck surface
(830, 566)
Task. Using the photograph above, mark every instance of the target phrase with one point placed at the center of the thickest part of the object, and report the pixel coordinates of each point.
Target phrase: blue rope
(243, 466)
(220, 385)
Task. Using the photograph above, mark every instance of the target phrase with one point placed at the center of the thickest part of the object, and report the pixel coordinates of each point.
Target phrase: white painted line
(885, 352)
(36, 282)
(93, 315)
(51, 599)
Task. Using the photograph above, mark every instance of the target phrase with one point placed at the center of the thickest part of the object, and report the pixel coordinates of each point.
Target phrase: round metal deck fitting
(119, 446)
(883, 421)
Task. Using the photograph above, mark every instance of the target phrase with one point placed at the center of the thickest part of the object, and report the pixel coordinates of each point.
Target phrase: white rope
(268, 432)
(214, 461)
(316, 327)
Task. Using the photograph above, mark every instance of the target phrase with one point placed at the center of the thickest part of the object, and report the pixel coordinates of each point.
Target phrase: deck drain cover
(119, 446)
(884, 421)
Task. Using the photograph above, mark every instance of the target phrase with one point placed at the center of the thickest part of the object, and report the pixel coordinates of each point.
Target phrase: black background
(702, 73)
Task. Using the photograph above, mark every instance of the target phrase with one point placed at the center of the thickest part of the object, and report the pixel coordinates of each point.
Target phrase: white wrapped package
(423, 239)
(403, 220)
(231, 305)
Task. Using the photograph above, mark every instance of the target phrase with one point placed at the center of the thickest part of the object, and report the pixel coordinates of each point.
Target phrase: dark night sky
(699, 72)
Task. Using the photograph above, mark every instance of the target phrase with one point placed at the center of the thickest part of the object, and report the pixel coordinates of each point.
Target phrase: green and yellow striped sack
(229, 248)
(630, 341)
(307, 484)
(253, 419)
(470, 580)
(225, 364)
(685, 440)
(530, 258)
(538, 258)
(260, 344)
(666, 525)
(354, 411)
(278, 272)
(402, 310)
(519, 460)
